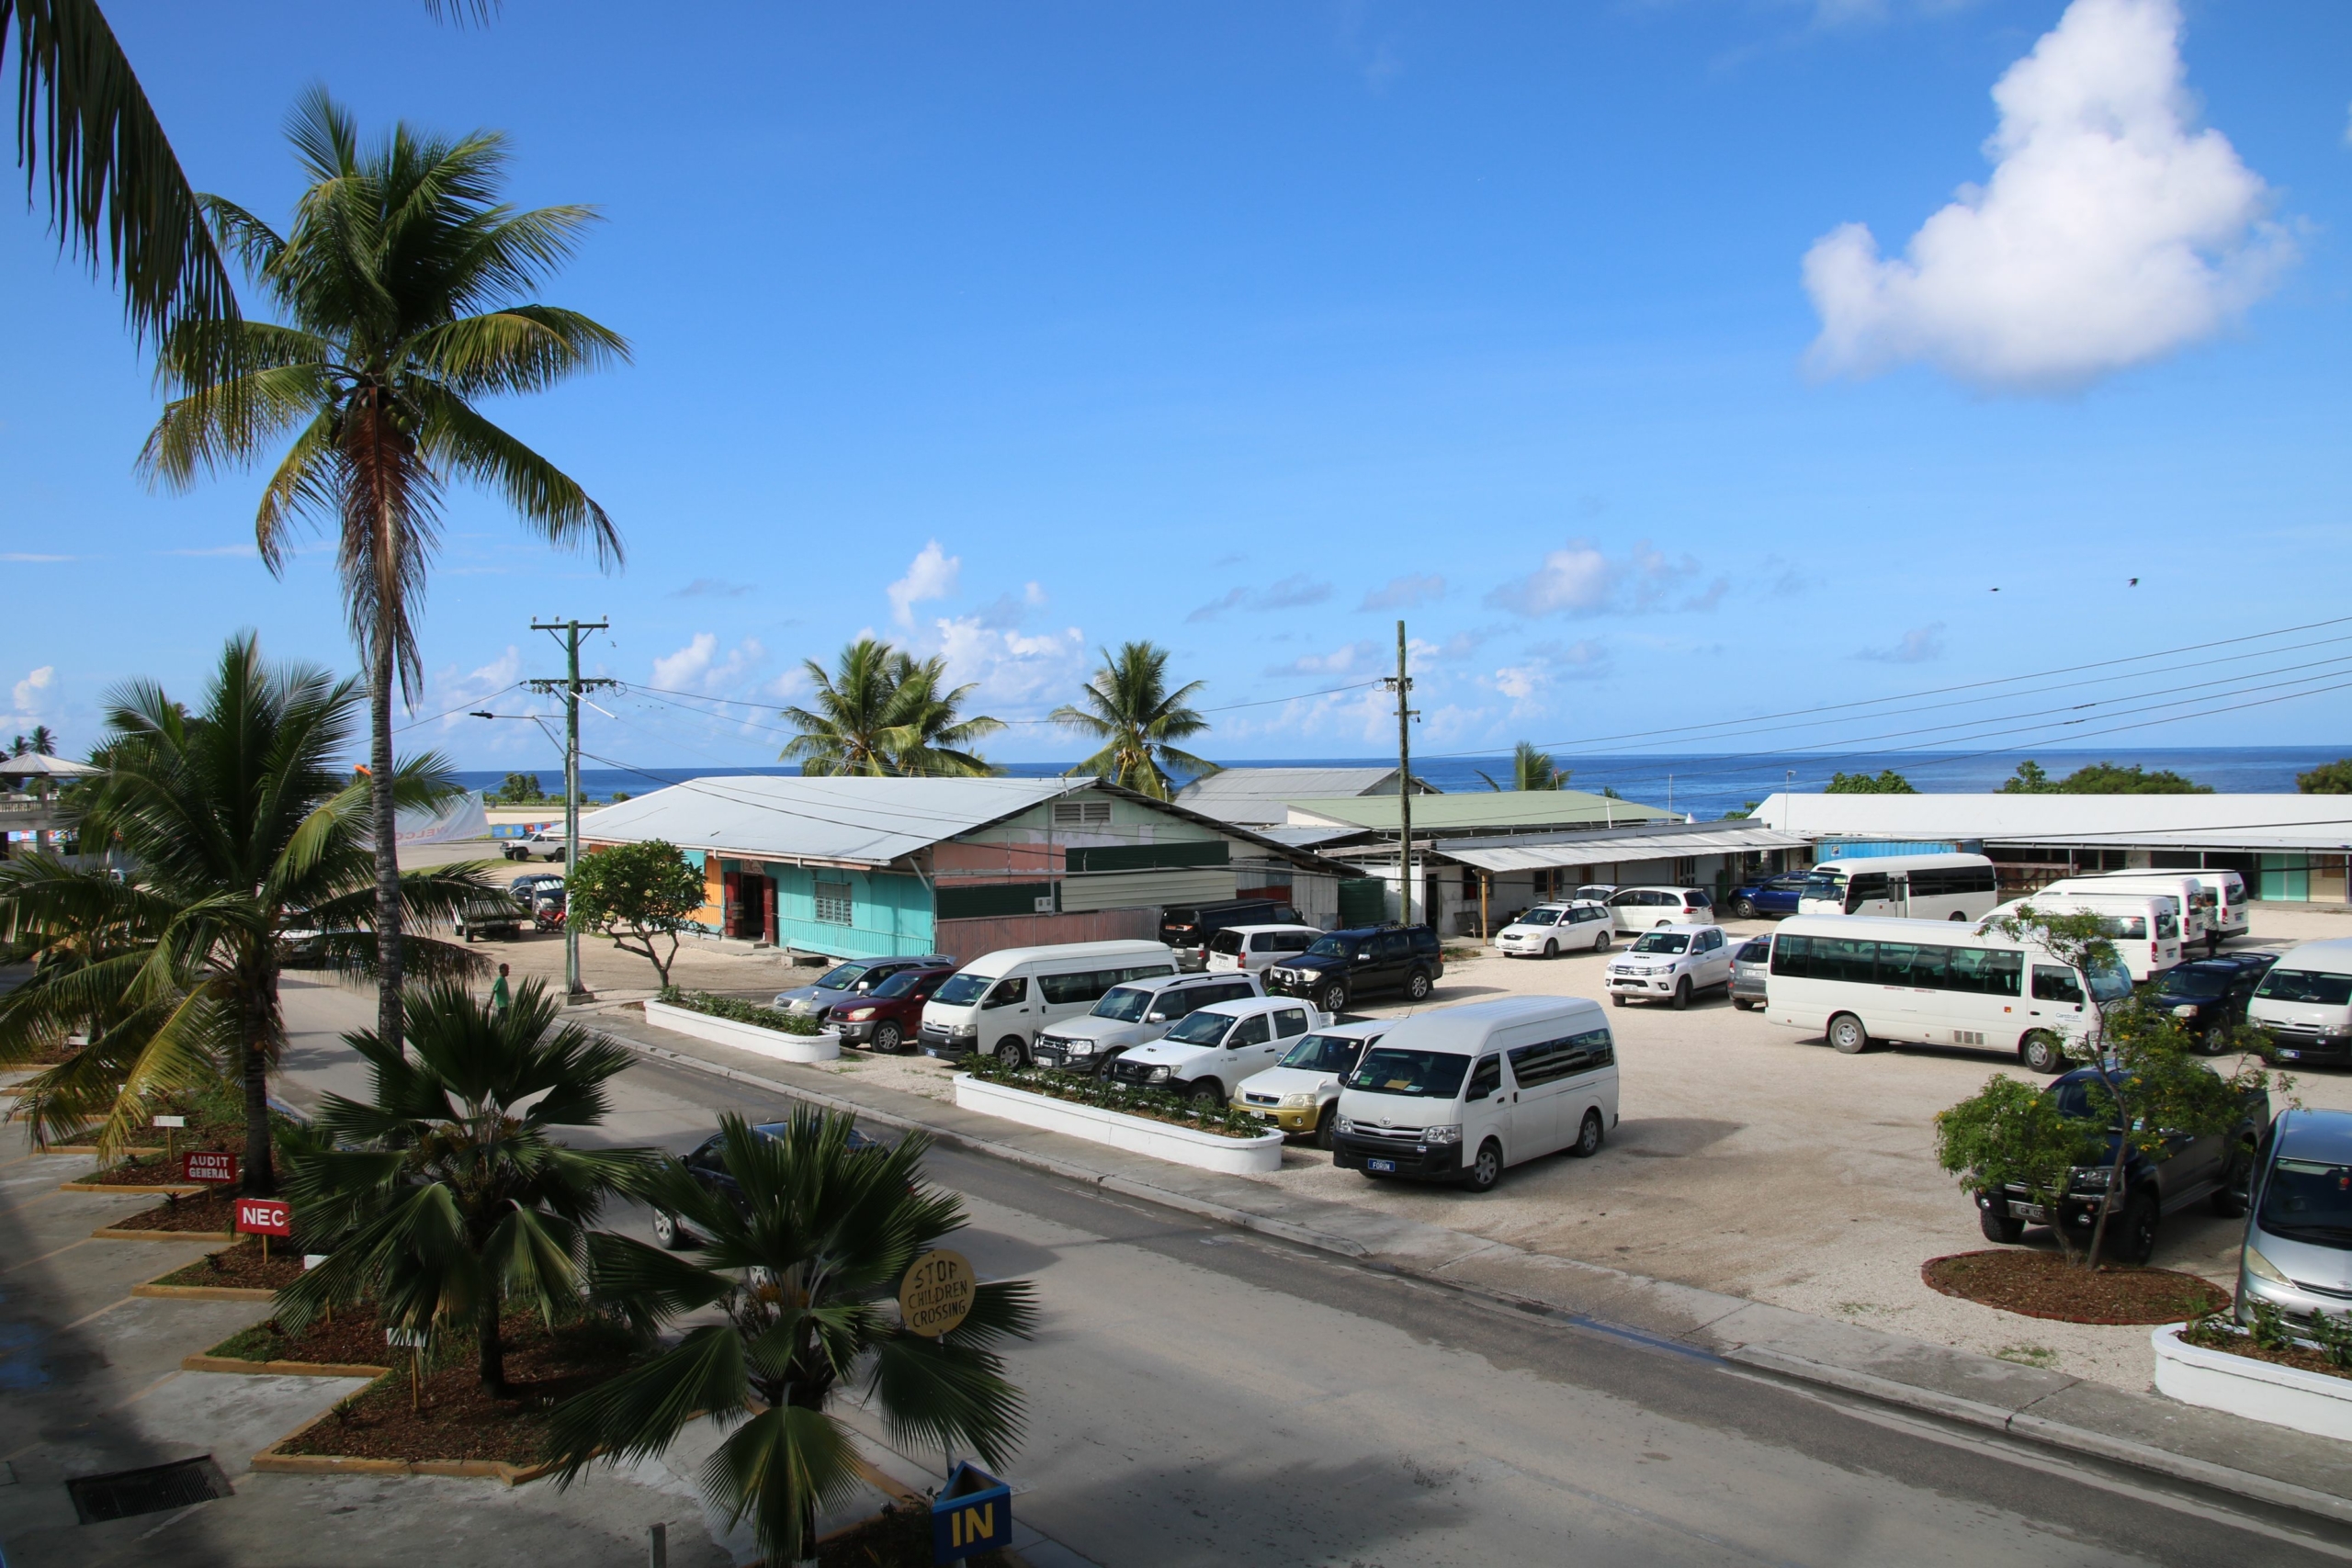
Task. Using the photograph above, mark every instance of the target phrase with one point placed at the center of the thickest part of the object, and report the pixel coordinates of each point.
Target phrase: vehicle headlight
(2186, 1010)
(2261, 1267)
(1081, 1047)
(1441, 1135)
(1159, 1075)
(963, 1032)
(1297, 1102)
(1344, 1125)
(857, 1015)
(2091, 1178)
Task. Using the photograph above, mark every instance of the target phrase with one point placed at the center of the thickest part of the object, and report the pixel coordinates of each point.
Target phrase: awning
(1595, 848)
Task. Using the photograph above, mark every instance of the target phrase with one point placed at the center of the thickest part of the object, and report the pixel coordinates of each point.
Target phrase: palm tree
(1530, 768)
(240, 825)
(801, 1267)
(1131, 711)
(400, 286)
(880, 712)
(931, 739)
(448, 1194)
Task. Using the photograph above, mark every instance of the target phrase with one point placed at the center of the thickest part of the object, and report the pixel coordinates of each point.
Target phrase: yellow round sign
(937, 1294)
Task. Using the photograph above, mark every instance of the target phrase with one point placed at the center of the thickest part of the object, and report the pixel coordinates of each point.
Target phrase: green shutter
(1151, 857)
(993, 900)
(1364, 901)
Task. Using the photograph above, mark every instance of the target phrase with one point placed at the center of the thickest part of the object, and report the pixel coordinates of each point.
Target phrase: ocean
(1704, 786)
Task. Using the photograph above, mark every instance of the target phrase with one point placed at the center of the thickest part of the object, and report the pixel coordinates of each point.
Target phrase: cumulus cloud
(698, 665)
(2111, 233)
(1012, 668)
(1343, 661)
(711, 588)
(1545, 665)
(1294, 592)
(1917, 646)
(1582, 580)
(933, 574)
(36, 692)
(1404, 593)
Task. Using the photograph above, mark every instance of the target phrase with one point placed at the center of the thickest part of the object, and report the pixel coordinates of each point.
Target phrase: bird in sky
(2135, 582)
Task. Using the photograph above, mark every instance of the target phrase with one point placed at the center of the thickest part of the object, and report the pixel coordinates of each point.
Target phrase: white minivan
(1248, 949)
(2196, 900)
(995, 1005)
(1459, 1093)
(2145, 927)
(2304, 1003)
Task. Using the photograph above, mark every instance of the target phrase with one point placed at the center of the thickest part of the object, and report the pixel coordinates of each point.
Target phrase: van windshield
(1664, 942)
(1427, 1075)
(2306, 986)
(1829, 886)
(1124, 1003)
(963, 990)
(2309, 1200)
(2111, 982)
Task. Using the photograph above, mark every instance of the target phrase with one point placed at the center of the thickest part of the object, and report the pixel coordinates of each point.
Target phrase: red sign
(208, 1165)
(265, 1216)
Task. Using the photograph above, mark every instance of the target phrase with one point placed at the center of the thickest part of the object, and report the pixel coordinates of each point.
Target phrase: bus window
(2053, 984)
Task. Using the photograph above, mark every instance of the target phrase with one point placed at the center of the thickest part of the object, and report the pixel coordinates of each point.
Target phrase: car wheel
(1993, 1217)
(1847, 1035)
(1335, 1000)
(888, 1038)
(1551, 949)
(1417, 984)
(1589, 1136)
(2042, 1053)
(1326, 1134)
(1955, 915)
(2214, 1041)
(668, 1234)
(1486, 1169)
(1663, 924)
(1682, 994)
(1617, 998)
(1744, 908)
(2231, 1199)
(1601, 943)
(1011, 1052)
(1739, 1004)
(1208, 1092)
(2136, 1242)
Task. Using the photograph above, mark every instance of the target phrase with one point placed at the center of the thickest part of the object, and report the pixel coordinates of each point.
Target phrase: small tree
(1886, 781)
(2328, 778)
(639, 895)
(2011, 1133)
(521, 789)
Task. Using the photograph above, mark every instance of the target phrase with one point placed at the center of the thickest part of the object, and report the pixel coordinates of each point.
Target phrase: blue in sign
(972, 1513)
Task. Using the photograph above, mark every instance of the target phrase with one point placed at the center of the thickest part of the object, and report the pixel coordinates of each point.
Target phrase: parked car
(2216, 1170)
(885, 1018)
(1217, 1047)
(1752, 967)
(2297, 1251)
(708, 1166)
(844, 982)
(1132, 1014)
(1457, 1093)
(1592, 893)
(997, 1003)
(1251, 948)
(1642, 909)
(1671, 964)
(547, 843)
(2304, 1003)
(528, 886)
(1772, 896)
(1545, 931)
(2210, 995)
(1300, 1093)
(1188, 929)
(1362, 961)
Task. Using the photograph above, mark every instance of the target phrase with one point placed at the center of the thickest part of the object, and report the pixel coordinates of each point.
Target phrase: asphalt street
(1201, 1395)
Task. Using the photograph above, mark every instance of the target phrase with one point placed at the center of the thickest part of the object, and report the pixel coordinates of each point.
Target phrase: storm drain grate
(150, 1490)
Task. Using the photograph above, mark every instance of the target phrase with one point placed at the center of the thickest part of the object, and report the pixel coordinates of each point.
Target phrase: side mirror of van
(1155, 1018)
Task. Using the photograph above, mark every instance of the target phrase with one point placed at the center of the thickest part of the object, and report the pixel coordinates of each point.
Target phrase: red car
(889, 1016)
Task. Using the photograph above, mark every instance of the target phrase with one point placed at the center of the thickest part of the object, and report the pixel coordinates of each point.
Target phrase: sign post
(171, 1125)
(972, 1513)
(265, 1217)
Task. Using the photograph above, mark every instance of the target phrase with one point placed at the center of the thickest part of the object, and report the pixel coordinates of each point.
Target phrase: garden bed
(764, 1033)
(211, 1212)
(1136, 1125)
(2233, 1341)
(351, 1338)
(241, 1267)
(2197, 1364)
(2043, 1284)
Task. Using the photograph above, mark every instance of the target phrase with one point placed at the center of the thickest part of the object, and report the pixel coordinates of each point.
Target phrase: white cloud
(240, 550)
(1294, 592)
(1012, 669)
(36, 694)
(1581, 579)
(2110, 234)
(699, 666)
(932, 575)
(1343, 661)
(1404, 593)
(1918, 645)
(17, 557)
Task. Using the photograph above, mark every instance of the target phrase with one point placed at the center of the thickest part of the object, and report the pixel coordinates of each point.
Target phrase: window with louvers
(835, 906)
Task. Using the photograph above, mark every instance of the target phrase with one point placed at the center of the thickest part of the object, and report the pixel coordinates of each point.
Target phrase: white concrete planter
(2283, 1396)
(823, 1046)
(1136, 1135)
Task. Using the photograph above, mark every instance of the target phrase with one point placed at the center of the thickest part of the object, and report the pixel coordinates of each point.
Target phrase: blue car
(1774, 896)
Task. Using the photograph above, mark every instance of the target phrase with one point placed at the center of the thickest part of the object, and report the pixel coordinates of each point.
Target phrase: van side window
(1251, 1030)
(1486, 1077)
(1542, 1062)
(2052, 983)
(1595, 1049)
(1393, 945)
(1290, 1022)
(1008, 992)
(1088, 987)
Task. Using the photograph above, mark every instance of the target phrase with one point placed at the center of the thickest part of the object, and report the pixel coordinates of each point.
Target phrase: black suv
(1188, 929)
(1345, 964)
(2209, 996)
(708, 1166)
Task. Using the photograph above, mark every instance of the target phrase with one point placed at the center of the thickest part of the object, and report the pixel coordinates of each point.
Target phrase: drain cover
(150, 1490)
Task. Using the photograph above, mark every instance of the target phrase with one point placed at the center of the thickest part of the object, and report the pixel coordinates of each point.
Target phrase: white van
(2229, 914)
(1248, 949)
(1906, 887)
(2145, 927)
(2304, 1003)
(996, 1004)
(2196, 900)
(1459, 1093)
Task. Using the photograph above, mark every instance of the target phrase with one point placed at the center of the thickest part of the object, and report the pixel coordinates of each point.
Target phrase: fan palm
(400, 286)
(449, 1197)
(1130, 709)
(239, 825)
(802, 1267)
(880, 712)
(1530, 768)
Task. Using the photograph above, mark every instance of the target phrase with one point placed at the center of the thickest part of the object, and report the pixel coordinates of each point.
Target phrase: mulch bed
(2043, 1284)
(350, 1339)
(241, 1266)
(459, 1420)
(899, 1538)
(2303, 1358)
(213, 1210)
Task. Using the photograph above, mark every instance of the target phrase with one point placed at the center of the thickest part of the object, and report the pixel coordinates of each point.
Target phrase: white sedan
(1549, 929)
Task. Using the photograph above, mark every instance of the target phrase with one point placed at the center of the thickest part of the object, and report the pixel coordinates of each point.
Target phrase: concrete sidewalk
(2268, 1464)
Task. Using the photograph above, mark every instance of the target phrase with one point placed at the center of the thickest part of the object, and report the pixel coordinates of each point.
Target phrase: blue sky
(1009, 332)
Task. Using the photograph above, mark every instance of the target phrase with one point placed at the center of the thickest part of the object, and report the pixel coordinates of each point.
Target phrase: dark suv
(2209, 996)
(890, 1015)
(1345, 964)
(1188, 929)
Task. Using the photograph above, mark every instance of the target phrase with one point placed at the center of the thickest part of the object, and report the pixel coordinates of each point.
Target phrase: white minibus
(2145, 927)
(1916, 887)
(1459, 1093)
(2228, 914)
(1860, 981)
(2196, 900)
(996, 1004)
(2304, 1003)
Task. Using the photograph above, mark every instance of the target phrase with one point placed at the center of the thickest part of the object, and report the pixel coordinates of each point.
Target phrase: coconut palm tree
(448, 1194)
(402, 289)
(1130, 709)
(240, 825)
(801, 1267)
(931, 739)
(880, 712)
(1530, 768)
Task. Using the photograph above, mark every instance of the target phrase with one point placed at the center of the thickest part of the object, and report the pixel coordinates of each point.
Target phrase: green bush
(1156, 1104)
(740, 1012)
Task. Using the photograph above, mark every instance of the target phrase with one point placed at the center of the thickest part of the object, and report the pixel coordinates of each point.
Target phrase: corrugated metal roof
(1306, 838)
(2186, 822)
(1263, 796)
(1482, 809)
(1584, 849)
(854, 821)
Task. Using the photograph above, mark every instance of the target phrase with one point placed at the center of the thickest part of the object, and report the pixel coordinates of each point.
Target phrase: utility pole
(570, 688)
(1402, 684)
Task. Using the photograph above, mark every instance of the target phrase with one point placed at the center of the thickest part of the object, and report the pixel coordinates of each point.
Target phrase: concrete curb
(1709, 1309)
(108, 1233)
(204, 1293)
(200, 1363)
(137, 1189)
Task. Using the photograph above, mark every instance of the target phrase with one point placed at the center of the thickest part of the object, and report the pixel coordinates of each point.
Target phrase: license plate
(2291, 1055)
(1388, 1164)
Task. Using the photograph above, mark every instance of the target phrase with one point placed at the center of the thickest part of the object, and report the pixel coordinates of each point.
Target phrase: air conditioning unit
(1043, 906)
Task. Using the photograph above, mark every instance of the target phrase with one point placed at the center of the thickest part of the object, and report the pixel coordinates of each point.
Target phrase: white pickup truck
(1671, 963)
(1208, 1055)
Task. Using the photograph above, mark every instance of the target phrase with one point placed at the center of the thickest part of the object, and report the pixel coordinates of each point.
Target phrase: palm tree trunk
(494, 1350)
(389, 1017)
(255, 1037)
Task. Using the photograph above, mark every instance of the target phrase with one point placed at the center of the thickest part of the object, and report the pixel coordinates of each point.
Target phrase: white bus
(2145, 927)
(1861, 981)
(1911, 887)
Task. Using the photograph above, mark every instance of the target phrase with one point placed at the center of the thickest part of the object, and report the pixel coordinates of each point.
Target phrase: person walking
(500, 998)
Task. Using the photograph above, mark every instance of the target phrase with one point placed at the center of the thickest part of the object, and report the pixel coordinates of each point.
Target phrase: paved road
(1206, 1396)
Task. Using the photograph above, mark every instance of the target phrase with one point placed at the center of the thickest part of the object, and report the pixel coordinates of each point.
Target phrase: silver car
(1749, 967)
(2298, 1252)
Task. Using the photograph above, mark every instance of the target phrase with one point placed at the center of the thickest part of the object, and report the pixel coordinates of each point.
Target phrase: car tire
(668, 1234)
(1663, 924)
(1551, 949)
(1325, 1127)
(1011, 1052)
(1485, 1169)
(1417, 985)
(1847, 1035)
(1207, 1091)
(1682, 994)
(2042, 1052)
(1739, 1004)
(1601, 943)
(1616, 999)
(2214, 1042)
(1955, 915)
(2135, 1237)
(1743, 908)
(889, 1039)
(1335, 1000)
(1998, 1224)
(1589, 1136)
(2235, 1193)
